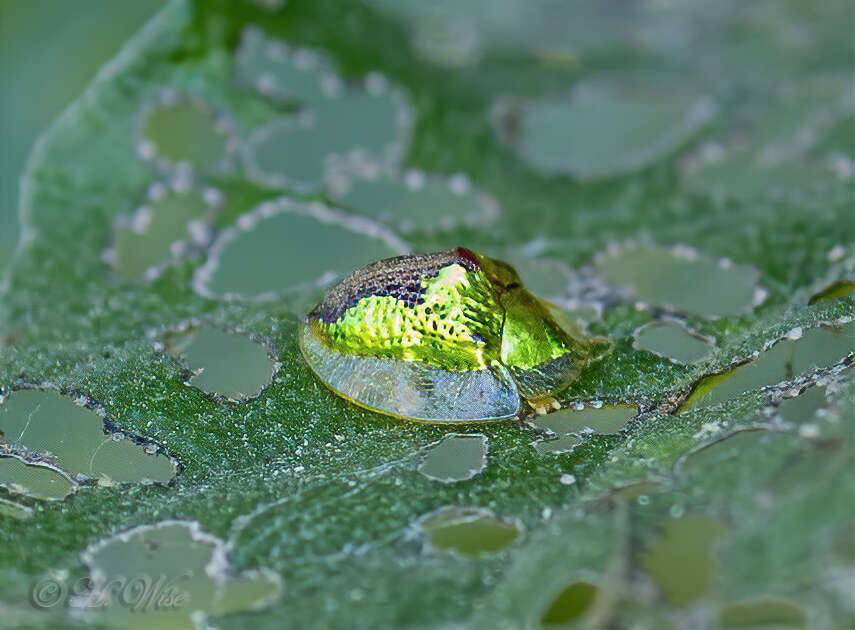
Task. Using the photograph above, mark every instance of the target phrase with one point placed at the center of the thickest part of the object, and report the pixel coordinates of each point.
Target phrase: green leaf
(236, 158)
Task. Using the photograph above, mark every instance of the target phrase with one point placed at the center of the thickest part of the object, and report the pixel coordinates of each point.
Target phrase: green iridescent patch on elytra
(445, 337)
(455, 325)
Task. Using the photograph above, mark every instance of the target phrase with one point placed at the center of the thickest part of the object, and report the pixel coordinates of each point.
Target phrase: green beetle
(450, 336)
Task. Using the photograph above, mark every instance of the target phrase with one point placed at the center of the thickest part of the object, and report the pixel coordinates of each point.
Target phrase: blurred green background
(49, 51)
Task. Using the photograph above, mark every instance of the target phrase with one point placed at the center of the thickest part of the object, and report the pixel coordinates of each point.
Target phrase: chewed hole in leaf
(173, 220)
(759, 614)
(801, 352)
(681, 279)
(554, 34)
(672, 340)
(458, 34)
(270, 5)
(639, 491)
(681, 562)
(570, 604)
(834, 291)
(277, 70)
(449, 43)
(546, 278)
(228, 364)
(40, 481)
(74, 437)
(777, 151)
(440, 31)
(605, 126)
(11, 509)
(194, 571)
(416, 201)
(356, 128)
(843, 543)
(603, 419)
(803, 408)
(723, 459)
(286, 245)
(562, 444)
(467, 531)
(186, 132)
(718, 454)
(455, 458)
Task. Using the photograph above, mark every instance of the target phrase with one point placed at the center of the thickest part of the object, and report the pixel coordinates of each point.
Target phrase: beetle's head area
(500, 274)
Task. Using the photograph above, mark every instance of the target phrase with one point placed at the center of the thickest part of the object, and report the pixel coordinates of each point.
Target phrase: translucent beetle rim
(411, 390)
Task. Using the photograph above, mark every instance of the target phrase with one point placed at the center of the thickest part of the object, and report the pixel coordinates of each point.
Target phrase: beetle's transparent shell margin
(412, 390)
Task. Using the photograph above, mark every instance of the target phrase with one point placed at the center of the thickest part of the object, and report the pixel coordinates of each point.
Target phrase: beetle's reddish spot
(468, 255)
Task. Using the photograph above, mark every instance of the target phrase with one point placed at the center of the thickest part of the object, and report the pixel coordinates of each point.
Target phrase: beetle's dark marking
(465, 254)
(400, 277)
